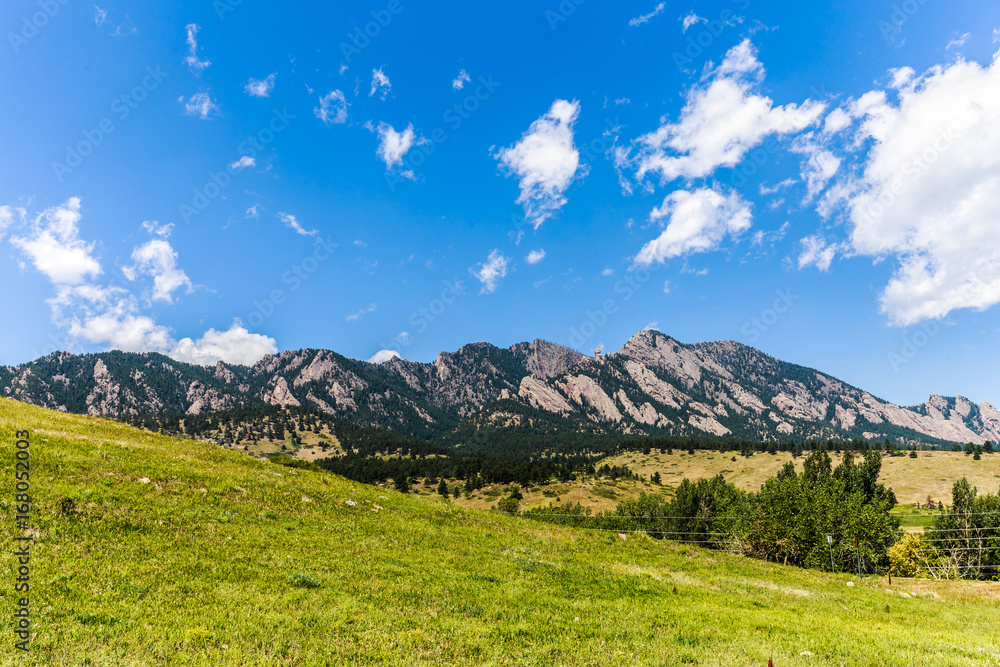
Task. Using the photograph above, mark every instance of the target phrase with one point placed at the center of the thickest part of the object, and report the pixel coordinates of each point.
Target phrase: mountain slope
(654, 385)
(151, 550)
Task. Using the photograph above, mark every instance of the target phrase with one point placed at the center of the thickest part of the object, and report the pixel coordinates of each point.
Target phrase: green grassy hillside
(160, 551)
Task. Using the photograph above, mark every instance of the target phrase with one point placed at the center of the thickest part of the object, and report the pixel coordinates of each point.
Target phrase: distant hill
(654, 385)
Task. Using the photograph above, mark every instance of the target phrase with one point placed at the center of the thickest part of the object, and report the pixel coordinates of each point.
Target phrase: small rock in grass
(306, 499)
(351, 503)
(850, 584)
(144, 480)
(904, 595)
(805, 653)
(622, 536)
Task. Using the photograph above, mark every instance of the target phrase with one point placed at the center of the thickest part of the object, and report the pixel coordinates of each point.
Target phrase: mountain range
(654, 385)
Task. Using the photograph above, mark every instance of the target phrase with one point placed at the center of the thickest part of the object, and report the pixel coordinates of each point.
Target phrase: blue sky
(228, 179)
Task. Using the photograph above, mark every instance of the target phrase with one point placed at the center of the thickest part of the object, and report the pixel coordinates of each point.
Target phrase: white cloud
(770, 190)
(819, 166)
(332, 108)
(354, 317)
(608, 272)
(491, 272)
(690, 20)
(243, 163)
(837, 120)
(639, 20)
(929, 191)
(158, 260)
(383, 356)
(719, 123)
(622, 100)
(535, 256)
(380, 84)
(100, 16)
(696, 222)
(816, 252)
(109, 316)
(253, 213)
(260, 87)
(200, 105)
(546, 161)
(959, 42)
(458, 83)
(235, 346)
(292, 222)
(192, 42)
(393, 146)
(666, 287)
(53, 243)
(6, 220)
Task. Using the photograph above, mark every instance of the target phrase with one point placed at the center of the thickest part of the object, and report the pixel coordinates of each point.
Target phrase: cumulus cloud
(929, 191)
(192, 41)
(354, 317)
(234, 346)
(535, 256)
(110, 315)
(158, 260)
(243, 163)
(393, 146)
(52, 243)
(383, 356)
(491, 272)
(818, 167)
(546, 161)
(380, 84)
(696, 221)
(837, 120)
(200, 105)
(292, 222)
(332, 108)
(458, 83)
(639, 20)
(720, 123)
(260, 87)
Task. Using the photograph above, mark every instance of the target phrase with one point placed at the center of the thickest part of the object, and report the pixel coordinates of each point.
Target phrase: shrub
(903, 556)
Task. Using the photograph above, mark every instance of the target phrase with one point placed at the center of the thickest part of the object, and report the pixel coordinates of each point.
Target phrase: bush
(508, 505)
(903, 556)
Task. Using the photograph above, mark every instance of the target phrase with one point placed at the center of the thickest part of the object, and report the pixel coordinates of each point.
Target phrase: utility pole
(829, 540)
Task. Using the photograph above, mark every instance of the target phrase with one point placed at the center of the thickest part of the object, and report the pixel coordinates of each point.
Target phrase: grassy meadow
(162, 551)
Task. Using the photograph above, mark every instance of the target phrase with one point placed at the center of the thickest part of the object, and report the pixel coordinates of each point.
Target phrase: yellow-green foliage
(220, 559)
(904, 556)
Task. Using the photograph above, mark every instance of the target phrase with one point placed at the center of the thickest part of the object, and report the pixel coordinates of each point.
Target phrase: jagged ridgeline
(653, 386)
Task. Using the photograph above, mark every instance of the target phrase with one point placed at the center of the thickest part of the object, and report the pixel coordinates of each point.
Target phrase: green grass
(221, 559)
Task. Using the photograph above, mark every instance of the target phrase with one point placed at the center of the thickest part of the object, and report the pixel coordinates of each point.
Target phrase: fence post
(829, 540)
